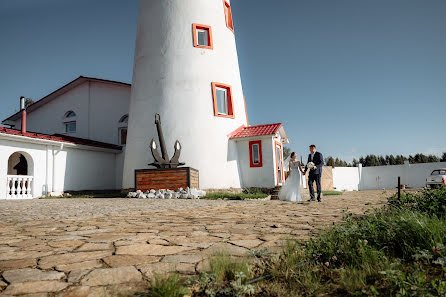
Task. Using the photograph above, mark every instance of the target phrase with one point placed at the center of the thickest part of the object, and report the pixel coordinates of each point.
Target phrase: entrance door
(279, 163)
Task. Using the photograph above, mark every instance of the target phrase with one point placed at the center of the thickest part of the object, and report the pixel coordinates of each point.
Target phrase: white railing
(19, 187)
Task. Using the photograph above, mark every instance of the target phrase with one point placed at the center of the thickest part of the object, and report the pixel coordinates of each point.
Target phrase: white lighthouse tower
(186, 69)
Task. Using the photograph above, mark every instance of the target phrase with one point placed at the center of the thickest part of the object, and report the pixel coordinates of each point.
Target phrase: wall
(264, 176)
(383, 177)
(98, 107)
(58, 168)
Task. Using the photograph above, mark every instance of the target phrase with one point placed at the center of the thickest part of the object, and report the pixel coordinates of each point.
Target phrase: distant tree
(355, 163)
(443, 158)
(28, 102)
(329, 161)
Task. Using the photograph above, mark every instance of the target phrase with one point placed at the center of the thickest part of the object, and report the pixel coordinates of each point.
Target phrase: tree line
(374, 160)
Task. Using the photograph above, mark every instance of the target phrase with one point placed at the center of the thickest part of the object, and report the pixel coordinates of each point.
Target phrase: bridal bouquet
(310, 165)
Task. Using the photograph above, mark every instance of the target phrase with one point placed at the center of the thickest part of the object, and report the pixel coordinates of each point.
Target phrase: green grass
(241, 196)
(395, 251)
(331, 193)
(166, 286)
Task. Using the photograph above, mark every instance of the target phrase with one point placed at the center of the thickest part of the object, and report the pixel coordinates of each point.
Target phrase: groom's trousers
(311, 179)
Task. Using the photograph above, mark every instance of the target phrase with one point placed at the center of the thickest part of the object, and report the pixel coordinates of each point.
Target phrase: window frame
(228, 15)
(66, 125)
(251, 153)
(230, 100)
(195, 28)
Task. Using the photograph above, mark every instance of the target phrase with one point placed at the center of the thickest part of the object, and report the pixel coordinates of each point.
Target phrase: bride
(290, 191)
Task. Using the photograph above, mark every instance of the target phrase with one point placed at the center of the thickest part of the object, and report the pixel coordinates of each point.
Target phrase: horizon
(364, 78)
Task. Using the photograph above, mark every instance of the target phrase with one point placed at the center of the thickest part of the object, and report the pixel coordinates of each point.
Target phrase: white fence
(19, 187)
(383, 177)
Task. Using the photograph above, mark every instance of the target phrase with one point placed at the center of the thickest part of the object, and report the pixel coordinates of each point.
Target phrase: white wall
(59, 168)
(383, 177)
(98, 106)
(173, 78)
(256, 176)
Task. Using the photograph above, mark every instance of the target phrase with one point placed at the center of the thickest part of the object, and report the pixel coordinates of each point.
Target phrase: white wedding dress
(290, 191)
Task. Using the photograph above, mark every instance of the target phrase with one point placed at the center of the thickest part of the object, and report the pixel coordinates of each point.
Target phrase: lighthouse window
(255, 153)
(202, 36)
(228, 15)
(223, 105)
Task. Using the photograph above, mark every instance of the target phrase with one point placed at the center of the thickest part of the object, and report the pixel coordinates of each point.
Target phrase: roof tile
(259, 130)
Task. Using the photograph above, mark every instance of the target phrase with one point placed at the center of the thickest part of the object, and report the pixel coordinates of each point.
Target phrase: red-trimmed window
(228, 15)
(203, 36)
(255, 153)
(223, 103)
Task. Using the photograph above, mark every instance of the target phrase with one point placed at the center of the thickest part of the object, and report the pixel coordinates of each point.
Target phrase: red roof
(61, 138)
(259, 130)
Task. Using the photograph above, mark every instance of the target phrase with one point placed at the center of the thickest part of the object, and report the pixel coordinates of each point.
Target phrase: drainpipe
(23, 109)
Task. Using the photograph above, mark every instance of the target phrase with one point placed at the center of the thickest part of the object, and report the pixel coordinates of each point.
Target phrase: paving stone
(81, 265)
(94, 247)
(192, 258)
(34, 287)
(150, 250)
(226, 248)
(30, 275)
(249, 244)
(16, 264)
(66, 244)
(129, 260)
(69, 258)
(75, 275)
(112, 276)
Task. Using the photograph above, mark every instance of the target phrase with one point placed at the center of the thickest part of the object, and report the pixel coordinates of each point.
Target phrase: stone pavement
(108, 247)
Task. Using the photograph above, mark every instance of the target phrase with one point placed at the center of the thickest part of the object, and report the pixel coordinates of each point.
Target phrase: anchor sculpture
(162, 161)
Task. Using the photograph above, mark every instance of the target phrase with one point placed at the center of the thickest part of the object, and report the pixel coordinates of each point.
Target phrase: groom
(315, 173)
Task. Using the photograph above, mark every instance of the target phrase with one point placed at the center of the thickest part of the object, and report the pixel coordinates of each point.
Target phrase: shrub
(167, 287)
(432, 202)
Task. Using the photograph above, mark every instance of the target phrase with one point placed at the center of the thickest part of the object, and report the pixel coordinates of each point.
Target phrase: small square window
(223, 103)
(202, 36)
(228, 15)
(255, 153)
(70, 127)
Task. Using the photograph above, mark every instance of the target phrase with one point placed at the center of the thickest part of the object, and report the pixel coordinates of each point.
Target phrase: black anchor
(162, 161)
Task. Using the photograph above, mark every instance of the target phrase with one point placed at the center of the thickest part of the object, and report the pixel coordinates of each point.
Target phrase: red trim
(228, 15)
(276, 161)
(210, 39)
(230, 100)
(246, 111)
(24, 121)
(251, 160)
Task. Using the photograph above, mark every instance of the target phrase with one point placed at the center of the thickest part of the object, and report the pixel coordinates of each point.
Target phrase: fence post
(399, 187)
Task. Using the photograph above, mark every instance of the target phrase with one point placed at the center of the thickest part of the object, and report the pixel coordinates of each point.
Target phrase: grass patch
(229, 196)
(396, 251)
(331, 193)
(165, 286)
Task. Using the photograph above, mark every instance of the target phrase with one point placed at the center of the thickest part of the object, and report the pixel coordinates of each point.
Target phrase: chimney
(23, 109)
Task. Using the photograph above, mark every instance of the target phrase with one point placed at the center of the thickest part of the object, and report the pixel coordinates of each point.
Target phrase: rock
(184, 196)
(35, 287)
(150, 250)
(168, 195)
(161, 196)
(16, 264)
(192, 259)
(152, 191)
(180, 190)
(31, 275)
(151, 195)
(131, 195)
(141, 196)
(248, 243)
(112, 276)
(157, 193)
(75, 275)
(80, 266)
(201, 193)
(138, 192)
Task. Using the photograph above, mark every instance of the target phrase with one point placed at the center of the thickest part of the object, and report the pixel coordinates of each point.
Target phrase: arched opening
(69, 122)
(20, 175)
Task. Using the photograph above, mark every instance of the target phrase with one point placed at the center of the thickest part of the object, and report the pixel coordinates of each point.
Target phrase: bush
(432, 202)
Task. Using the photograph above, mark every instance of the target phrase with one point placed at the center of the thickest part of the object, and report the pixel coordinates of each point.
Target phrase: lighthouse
(186, 70)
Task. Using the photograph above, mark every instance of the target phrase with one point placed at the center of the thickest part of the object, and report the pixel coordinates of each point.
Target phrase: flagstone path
(108, 247)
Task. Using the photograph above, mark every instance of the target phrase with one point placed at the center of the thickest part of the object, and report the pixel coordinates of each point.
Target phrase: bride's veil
(286, 164)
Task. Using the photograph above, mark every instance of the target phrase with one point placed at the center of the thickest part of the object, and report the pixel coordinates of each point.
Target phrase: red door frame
(278, 144)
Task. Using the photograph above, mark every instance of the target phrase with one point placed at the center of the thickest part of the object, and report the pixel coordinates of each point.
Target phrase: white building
(186, 69)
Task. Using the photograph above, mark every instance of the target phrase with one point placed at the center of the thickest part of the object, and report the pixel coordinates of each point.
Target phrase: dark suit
(315, 174)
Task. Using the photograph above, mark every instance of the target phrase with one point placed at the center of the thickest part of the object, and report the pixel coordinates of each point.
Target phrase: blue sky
(354, 77)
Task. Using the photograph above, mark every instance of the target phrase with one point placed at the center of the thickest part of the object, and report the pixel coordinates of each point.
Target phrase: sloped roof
(71, 85)
(258, 130)
(60, 138)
